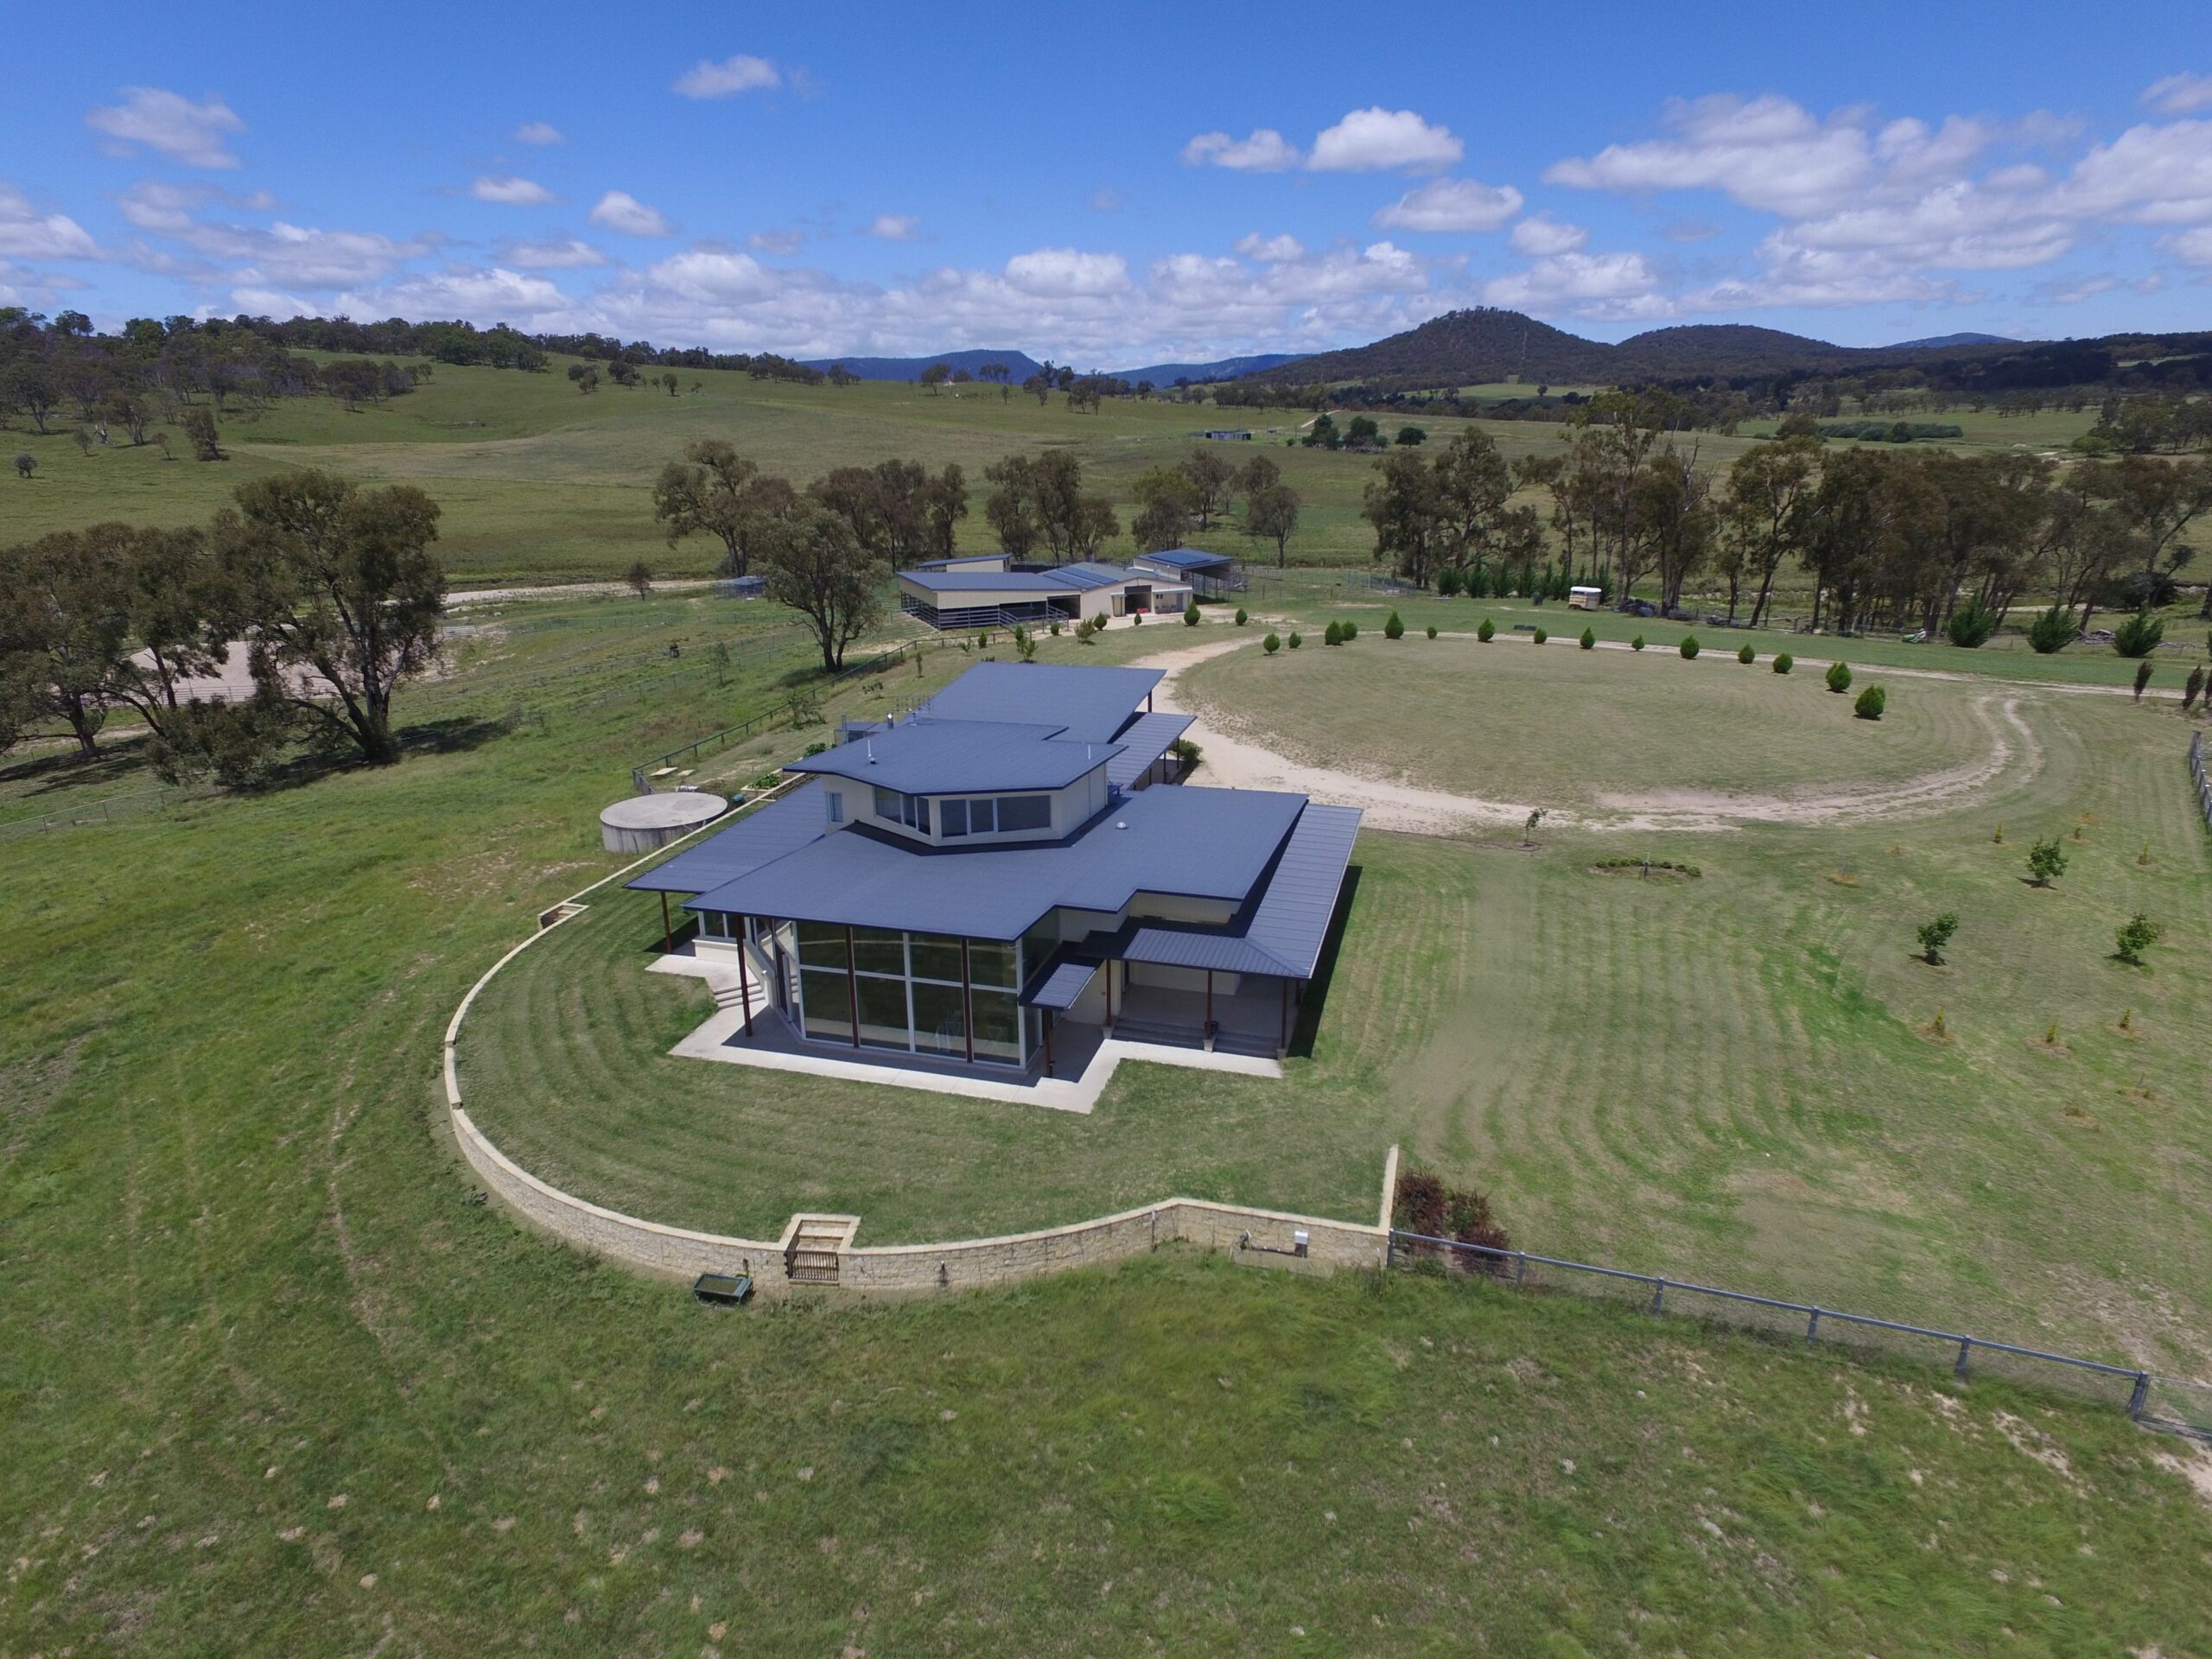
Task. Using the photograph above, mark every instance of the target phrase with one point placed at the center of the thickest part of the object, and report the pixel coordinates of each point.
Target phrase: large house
(988, 591)
(1009, 865)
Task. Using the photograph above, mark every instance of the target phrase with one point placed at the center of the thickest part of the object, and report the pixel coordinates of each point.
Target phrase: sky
(1114, 186)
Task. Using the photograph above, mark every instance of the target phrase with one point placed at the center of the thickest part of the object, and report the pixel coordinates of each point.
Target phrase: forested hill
(1483, 347)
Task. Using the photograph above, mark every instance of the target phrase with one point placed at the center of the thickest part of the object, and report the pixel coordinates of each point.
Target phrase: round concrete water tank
(637, 823)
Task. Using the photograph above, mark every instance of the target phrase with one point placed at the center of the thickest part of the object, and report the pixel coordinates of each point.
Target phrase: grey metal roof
(760, 836)
(1148, 737)
(1287, 927)
(996, 582)
(1092, 705)
(944, 757)
(1063, 986)
(1186, 558)
(1202, 844)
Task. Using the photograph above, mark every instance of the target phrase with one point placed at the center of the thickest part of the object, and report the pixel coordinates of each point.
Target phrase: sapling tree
(1333, 634)
(2192, 689)
(1637, 644)
(1839, 678)
(1688, 647)
(1870, 704)
(1541, 635)
(1295, 641)
(1934, 934)
(2047, 861)
(1783, 662)
(2137, 934)
(1191, 615)
(1589, 641)
(1394, 628)
(1271, 645)
(2142, 678)
(1487, 632)
(1747, 655)
(640, 578)
(1432, 630)
(1243, 616)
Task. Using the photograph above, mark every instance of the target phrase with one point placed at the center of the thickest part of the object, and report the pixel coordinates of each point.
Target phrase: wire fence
(2197, 775)
(2167, 1403)
(106, 809)
(801, 708)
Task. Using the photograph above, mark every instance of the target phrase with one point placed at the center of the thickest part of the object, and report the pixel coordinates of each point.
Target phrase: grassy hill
(276, 1385)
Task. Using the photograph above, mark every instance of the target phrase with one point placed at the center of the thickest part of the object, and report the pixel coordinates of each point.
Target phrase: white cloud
(1105, 199)
(711, 278)
(618, 210)
(513, 192)
(2149, 174)
(1065, 273)
(2179, 95)
(539, 132)
(1618, 285)
(1385, 141)
(568, 254)
(26, 233)
(1542, 234)
(2191, 247)
(1265, 151)
(1767, 153)
(740, 73)
(1270, 250)
(280, 255)
(1451, 204)
(175, 125)
(783, 242)
(895, 227)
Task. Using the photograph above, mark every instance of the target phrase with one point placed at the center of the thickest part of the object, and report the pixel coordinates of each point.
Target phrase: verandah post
(744, 980)
(667, 935)
(852, 985)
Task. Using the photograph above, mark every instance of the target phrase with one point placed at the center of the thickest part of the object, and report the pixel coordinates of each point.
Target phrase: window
(835, 801)
(990, 961)
(821, 945)
(906, 990)
(988, 814)
(913, 810)
(880, 951)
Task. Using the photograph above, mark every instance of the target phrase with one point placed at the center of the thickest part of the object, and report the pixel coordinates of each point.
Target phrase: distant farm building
(990, 590)
(1210, 575)
(1230, 434)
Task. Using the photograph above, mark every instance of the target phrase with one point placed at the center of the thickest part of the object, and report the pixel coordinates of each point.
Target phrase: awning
(1061, 987)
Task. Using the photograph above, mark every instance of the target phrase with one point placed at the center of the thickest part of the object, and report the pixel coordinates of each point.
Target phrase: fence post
(2136, 1400)
(1659, 1295)
(1812, 1326)
(1521, 1268)
(1389, 1250)
(1959, 1369)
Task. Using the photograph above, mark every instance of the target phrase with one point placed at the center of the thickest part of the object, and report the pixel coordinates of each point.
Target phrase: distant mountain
(1483, 347)
(1937, 342)
(910, 368)
(1227, 368)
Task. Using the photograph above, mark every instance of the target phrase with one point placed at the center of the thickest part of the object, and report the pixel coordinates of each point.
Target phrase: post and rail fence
(2166, 1403)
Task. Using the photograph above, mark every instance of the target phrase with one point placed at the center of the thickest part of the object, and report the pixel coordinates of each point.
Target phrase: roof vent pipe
(871, 751)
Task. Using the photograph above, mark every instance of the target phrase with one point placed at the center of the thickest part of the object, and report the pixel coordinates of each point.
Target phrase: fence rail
(2197, 775)
(106, 808)
(2159, 1402)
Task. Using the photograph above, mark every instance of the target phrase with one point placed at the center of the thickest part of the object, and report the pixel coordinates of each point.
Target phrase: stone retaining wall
(1263, 1237)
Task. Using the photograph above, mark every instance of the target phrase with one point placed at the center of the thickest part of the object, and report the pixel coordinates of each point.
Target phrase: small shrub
(1934, 935)
(1423, 1204)
(2137, 934)
(1688, 647)
(1783, 662)
(2142, 678)
(1487, 632)
(1271, 645)
(1747, 655)
(1191, 615)
(1136, 618)
(2138, 636)
(1432, 630)
(2046, 861)
(1333, 635)
(1870, 704)
(1296, 639)
(1449, 584)
(1351, 631)
(1637, 644)
(1243, 616)
(2052, 631)
(1971, 625)
(1540, 635)
(1185, 751)
(1589, 640)
(1394, 629)
(1056, 630)
(1839, 678)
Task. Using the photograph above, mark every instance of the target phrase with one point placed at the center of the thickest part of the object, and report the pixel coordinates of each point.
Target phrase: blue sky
(1110, 186)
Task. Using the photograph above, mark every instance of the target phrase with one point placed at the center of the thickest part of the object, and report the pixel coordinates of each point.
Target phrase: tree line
(332, 592)
(1908, 539)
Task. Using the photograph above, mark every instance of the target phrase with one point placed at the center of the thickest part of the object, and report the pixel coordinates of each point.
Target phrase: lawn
(277, 1386)
(1565, 727)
